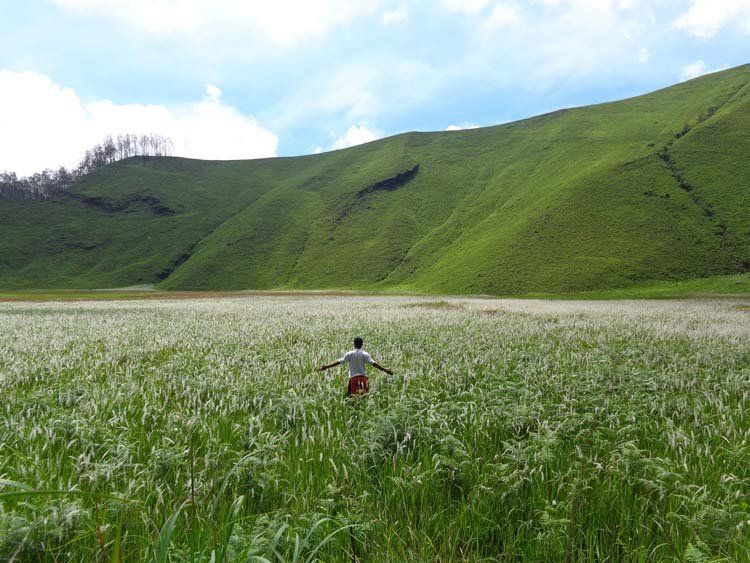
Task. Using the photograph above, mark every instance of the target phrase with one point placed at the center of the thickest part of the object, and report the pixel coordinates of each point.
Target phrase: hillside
(651, 188)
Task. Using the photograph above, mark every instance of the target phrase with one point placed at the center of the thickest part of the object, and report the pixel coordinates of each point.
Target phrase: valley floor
(736, 286)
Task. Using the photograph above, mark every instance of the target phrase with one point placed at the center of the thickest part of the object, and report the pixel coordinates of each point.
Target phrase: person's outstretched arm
(381, 368)
(329, 366)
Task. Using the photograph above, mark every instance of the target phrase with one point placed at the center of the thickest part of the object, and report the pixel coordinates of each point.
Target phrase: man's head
(358, 342)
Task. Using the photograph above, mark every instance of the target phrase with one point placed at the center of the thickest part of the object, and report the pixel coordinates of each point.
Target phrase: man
(357, 359)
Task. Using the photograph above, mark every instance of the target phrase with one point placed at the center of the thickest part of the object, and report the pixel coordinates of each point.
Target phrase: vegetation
(522, 430)
(648, 189)
(51, 183)
(713, 288)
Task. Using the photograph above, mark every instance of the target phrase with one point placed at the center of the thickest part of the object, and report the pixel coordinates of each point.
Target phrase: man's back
(356, 359)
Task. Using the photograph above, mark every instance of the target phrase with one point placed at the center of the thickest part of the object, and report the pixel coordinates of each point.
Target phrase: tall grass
(511, 431)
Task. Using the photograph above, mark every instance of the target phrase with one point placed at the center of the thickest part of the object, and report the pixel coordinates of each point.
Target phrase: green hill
(651, 188)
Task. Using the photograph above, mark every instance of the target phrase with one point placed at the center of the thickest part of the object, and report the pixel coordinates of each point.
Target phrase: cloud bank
(706, 18)
(281, 21)
(355, 135)
(51, 126)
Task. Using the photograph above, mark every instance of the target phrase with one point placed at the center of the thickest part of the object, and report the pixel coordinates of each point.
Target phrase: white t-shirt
(357, 359)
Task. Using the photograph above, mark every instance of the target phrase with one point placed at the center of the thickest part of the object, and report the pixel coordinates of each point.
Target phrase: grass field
(719, 286)
(737, 287)
(512, 430)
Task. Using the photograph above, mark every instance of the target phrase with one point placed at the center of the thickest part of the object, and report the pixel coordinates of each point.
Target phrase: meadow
(512, 430)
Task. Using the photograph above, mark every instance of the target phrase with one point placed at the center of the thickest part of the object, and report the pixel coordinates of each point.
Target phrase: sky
(231, 79)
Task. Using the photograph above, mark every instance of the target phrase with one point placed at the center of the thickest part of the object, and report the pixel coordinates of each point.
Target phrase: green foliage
(607, 196)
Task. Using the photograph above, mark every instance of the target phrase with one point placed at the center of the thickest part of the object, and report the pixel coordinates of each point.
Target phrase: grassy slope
(582, 199)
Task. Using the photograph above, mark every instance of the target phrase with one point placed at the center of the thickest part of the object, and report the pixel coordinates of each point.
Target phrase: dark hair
(358, 342)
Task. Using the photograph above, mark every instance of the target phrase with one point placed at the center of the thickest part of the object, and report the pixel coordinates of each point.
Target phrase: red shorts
(357, 385)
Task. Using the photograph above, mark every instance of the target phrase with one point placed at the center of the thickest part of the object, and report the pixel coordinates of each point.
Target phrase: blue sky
(244, 79)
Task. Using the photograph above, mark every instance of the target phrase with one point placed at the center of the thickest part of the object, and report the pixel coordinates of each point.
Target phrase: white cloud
(351, 91)
(355, 135)
(45, 125)
(546, 41)
(392, 17)
(643, 55)
(282, 21)
(213, 93)
(502, 15)
(622, 5)
(468, 7)
(705, 18)
(358, 93)
(693, 70)
(551, 41)
(461, 127)
(696, 69)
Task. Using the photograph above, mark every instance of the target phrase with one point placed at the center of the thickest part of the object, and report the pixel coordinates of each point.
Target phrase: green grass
(737, 287)
(201, 430)
(729, 286)
(73, 295)
(43, 295)
(588, 199)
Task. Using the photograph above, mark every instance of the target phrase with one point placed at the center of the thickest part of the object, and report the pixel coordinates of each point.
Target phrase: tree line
(49, 183)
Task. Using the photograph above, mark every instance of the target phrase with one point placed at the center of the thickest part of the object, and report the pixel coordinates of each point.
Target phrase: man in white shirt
(357, 359)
